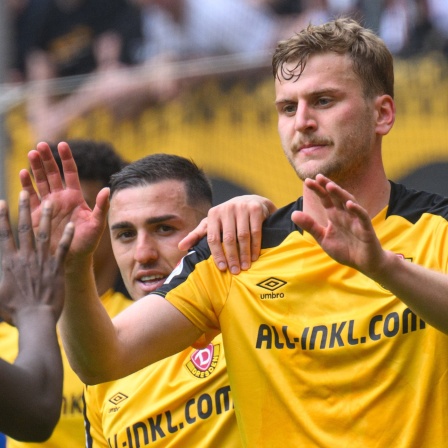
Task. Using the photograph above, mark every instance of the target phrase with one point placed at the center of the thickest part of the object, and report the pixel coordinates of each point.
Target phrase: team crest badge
(203, 362)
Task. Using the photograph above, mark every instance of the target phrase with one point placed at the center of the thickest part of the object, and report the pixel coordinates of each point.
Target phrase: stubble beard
(341, 166)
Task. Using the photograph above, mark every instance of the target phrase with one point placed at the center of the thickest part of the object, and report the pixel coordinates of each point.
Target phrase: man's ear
(385, 114)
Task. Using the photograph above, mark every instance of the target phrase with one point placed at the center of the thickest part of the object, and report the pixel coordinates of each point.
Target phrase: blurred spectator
(68, 38)
(427, 28)
(370, 13)
(394, 24)
(438, 14)
(281, 7)
(74, 37)
(173, 31)
(186, 29)
(25, 16)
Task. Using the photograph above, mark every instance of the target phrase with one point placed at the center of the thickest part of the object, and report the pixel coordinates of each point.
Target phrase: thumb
(101, 206)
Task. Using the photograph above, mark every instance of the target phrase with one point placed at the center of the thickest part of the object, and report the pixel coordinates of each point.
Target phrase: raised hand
(66, 196)
(348, 236)
(32, 276)
(239, 222)
(32, 298)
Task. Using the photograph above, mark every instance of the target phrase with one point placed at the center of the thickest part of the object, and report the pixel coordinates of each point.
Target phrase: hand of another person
(233, 231)
(32, 298)
(31, 276)
(348, 237)
(67, 199)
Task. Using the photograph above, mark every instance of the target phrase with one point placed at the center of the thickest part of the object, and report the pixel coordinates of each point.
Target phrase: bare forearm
(87, 331)
(32, 387)
(425, 291)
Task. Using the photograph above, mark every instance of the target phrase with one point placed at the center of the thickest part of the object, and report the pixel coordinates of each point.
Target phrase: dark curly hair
(96, 160)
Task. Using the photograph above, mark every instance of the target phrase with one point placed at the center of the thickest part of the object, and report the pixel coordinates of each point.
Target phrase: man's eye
(165, 229)
(126, 234)
(289, 109)
(323, 101)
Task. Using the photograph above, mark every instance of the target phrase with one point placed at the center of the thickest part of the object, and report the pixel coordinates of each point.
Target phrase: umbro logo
(272, 284)
(118, 398)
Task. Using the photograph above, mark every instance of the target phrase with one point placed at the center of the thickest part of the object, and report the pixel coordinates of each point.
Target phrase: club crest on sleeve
(203, 362)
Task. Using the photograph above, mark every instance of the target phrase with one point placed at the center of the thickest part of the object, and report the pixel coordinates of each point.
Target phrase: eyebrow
(312, 94)
(149, 221)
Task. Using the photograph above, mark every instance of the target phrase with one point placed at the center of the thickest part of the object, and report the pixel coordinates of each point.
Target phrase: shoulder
(412, 204)
(279, 225)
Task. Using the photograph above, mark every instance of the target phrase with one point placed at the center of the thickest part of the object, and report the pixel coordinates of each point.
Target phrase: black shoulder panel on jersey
(412, 204)
(279, 225)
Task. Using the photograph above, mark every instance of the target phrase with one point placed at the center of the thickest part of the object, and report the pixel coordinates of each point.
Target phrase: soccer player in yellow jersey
(183, 400)
(96, 162)
(337, 334)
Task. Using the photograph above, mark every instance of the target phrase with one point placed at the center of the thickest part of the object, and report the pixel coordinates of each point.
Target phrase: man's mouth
(151, 282)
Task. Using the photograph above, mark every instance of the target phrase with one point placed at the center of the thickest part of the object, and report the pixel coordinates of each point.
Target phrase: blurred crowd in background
(108, 39)
(75, 37)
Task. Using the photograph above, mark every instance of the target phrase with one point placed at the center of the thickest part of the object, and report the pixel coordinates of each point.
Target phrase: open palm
(66, 197)
(348, 236)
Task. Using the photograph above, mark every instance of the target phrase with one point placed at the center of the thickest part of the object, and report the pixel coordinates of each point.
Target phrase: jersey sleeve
(198, 290)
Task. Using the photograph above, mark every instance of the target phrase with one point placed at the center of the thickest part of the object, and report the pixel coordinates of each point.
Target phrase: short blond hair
(372, 60)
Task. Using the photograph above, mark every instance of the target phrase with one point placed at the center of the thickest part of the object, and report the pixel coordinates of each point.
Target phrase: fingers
(43, 233)
(339, 196)
(256, 226)
(360, 213)
(330, 194)
(47, 176)
(25, 228)
(239, 252)
(194, 236)
(7, 243)
(319, 188)
(102, 205)
(308, 224)
(69, 167)
(45, 170)
(64, 245)
(214, 229)
(239, 221)
(27, 185)
(343, 200)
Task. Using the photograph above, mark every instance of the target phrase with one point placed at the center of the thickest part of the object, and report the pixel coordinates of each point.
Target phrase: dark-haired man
(185, 399)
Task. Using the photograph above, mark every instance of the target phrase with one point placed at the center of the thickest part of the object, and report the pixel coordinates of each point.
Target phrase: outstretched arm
(31, 298)
(233, 231)
(350, 239)
(98, 349)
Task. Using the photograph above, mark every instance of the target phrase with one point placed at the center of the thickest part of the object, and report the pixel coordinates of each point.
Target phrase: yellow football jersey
(318, 354)
(180, 401)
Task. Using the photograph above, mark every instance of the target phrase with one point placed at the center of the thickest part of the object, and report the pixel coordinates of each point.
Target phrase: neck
(371, 190)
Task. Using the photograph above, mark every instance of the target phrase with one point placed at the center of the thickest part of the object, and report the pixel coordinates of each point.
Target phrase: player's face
(146, 224)
(326, 125)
